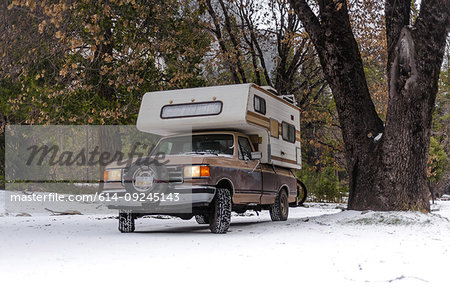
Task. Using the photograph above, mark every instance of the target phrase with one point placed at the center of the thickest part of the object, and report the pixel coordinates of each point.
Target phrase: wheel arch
(285, 187)
(225, 183)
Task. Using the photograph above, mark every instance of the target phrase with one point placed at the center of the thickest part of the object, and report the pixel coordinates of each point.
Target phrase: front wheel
(220, 216)
(279, 211)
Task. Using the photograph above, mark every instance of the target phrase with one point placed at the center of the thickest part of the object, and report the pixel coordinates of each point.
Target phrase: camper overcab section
(226, 148)
(272, 122)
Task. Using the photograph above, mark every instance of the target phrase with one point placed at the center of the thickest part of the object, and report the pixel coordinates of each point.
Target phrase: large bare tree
(252, 38)
(386, 162)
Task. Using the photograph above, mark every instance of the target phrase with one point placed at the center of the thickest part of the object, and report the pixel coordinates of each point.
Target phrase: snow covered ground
(320, 252)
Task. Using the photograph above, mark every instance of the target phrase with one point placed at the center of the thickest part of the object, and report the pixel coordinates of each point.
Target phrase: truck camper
(222, 149)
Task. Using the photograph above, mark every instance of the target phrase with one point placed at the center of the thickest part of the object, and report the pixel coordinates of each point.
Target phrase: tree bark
(386, 164)
(413, 74)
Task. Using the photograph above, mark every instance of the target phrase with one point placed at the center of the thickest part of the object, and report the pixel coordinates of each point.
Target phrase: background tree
(89, 62)
(438, 167)
(263, 43)
(386, 163)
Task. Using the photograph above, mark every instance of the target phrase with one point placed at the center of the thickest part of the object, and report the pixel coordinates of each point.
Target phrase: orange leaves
(63, 72)
(104, 69)
(338, 4)
(41, 26)
(108, 58)
(95, 18)
(93, 29)
(97, 55)
(75, 43)
(367, 20)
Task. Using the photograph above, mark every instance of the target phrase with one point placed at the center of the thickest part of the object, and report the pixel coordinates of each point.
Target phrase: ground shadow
(199, 229)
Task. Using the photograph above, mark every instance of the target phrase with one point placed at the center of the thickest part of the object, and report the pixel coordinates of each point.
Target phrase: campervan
(222, 149)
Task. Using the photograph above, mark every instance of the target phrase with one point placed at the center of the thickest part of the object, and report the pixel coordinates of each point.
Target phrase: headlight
(112, 175)
(196, 171)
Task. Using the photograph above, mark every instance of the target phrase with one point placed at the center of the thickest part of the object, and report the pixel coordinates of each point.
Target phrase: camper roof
(206, 108)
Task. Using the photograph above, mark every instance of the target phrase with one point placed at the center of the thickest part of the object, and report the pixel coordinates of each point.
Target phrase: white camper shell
(273, 122)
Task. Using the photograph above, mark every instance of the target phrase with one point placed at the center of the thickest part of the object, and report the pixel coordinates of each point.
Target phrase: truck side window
(245, 150)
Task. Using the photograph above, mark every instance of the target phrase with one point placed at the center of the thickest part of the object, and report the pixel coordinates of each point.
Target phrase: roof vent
(289, 98)
(270, 89)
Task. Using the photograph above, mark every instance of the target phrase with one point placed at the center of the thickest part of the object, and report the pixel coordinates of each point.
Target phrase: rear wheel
(302, 193)
(202, 219)
(221, 211)
(279, 211)
(126, 222)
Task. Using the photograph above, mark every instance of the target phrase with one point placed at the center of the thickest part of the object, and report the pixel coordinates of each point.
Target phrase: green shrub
(323, 185)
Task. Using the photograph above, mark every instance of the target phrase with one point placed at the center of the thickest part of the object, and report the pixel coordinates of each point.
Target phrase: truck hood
(168, 160)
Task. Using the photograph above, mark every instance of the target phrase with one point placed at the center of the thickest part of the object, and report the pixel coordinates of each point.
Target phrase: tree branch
(309, 19)
(233, 41)
(218, 33)
(344, 71)
(434, 15)
(397, 14)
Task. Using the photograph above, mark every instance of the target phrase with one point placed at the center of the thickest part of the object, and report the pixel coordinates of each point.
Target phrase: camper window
(288, 132)
(191, 110)
(245, 150)
(259, 104)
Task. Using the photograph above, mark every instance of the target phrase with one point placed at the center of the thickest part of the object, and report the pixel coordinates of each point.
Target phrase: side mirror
(256, 155)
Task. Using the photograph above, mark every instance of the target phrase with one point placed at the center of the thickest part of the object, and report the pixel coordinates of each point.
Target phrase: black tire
(279, 211)
(126, 222)
(221, 211)
(302, 192)
(202, 219)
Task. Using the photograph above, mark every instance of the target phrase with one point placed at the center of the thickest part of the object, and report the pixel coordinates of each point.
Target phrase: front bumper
(176, 199)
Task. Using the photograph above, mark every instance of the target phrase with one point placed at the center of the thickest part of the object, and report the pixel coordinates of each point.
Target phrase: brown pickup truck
(205, 175)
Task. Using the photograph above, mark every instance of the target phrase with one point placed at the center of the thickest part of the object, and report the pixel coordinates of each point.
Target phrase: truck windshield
(215, 144)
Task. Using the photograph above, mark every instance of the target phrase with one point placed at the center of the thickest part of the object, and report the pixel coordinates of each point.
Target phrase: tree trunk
(386, 164)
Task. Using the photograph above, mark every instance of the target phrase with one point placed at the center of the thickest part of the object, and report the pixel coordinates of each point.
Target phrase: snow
(321, 251)
(378, 137)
